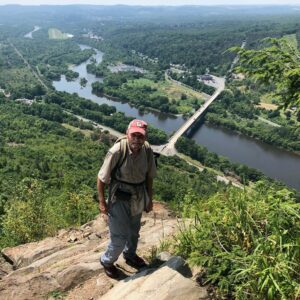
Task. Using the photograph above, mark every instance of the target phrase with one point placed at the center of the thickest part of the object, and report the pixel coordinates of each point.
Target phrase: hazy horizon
(151, 2)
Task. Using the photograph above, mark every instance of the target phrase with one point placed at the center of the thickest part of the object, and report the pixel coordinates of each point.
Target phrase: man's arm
(149, 185)
(101, 198)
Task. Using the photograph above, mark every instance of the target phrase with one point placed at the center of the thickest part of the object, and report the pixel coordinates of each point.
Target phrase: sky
(154, 2)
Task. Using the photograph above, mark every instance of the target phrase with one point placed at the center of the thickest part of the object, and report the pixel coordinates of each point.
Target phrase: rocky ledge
(67, 266)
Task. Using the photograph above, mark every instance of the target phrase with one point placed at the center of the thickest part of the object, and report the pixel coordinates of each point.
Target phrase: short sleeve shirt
(134, 169)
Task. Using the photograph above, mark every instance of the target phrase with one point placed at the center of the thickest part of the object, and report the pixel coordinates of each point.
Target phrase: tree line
(212, 160)
(238, 111)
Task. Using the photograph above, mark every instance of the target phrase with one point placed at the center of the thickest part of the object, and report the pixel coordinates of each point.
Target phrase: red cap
(137, 126)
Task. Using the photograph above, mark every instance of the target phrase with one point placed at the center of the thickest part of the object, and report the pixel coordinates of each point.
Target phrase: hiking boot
(110, 270)
(136, 262)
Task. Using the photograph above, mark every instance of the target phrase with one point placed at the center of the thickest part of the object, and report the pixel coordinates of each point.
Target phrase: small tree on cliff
(278, 63)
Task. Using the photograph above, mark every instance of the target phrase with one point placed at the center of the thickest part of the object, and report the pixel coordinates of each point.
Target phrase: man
(128, 169)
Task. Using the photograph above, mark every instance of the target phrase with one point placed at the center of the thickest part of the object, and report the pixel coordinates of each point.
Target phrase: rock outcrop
(163, 283)
(67, 266)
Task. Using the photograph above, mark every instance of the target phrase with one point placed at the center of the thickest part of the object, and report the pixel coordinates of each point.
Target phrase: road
(219, 84)
(169, 148)
(96, 125)
(201, 94)
(268, 122)
(29, 66)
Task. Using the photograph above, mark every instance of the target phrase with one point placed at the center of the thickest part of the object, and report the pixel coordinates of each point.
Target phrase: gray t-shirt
(135, 169)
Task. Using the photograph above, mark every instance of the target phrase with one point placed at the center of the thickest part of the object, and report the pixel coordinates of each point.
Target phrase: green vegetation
(191, 45)
(238, 111)
(277, 63)
(15, 78)
(20, 83)
(269, 98)
(99, 70)
(83, 82)
(144, 92)
(102, 114)
(182, 98)
(192, 81)
(47, 58)
(47, 173)
(192, 40)
(47, 176)
(291, 40)
(176, 178)
(246, 240)
(212, 160)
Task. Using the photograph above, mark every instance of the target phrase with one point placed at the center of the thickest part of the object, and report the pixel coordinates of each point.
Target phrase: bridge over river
(169, 148)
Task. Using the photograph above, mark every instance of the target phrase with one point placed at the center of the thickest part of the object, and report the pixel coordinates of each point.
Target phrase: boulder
(24, 255)
(163, 256)
(178, 264)
(164, 283)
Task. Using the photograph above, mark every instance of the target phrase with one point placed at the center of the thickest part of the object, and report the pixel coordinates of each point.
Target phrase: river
(277, 164)
(273, 162)
(29, 34)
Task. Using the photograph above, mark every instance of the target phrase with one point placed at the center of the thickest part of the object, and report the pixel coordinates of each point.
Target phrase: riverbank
(146, 109)
(259, 140)
(275, 163)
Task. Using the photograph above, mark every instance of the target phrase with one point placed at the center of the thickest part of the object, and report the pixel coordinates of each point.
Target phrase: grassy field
(268, 106)
(183, 96)
(269, 98)
(87, 133)
(56, 34)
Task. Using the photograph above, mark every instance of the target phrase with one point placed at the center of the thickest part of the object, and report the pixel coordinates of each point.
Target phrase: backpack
(123, 147)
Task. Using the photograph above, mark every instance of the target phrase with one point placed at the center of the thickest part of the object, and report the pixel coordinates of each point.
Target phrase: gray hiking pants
(124, 232)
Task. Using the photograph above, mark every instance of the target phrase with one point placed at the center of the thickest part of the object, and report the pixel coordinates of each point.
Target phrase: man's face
(136, 141)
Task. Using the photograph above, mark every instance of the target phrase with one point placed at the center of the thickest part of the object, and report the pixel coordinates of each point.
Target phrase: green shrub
(32, 214)
(27, 218)
(248, 242)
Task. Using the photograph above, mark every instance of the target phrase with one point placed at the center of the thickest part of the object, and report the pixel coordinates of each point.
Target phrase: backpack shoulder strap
(123, 151)
(150, 152)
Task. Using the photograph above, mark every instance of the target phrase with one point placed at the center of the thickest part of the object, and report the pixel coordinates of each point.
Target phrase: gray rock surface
(164, 256)
(178, 264)
(68, 265)
(162, 284)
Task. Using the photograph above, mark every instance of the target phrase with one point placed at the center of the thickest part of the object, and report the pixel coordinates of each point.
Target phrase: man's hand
(103, 207)
(102, 204)
(149, 185)
(149, 207)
